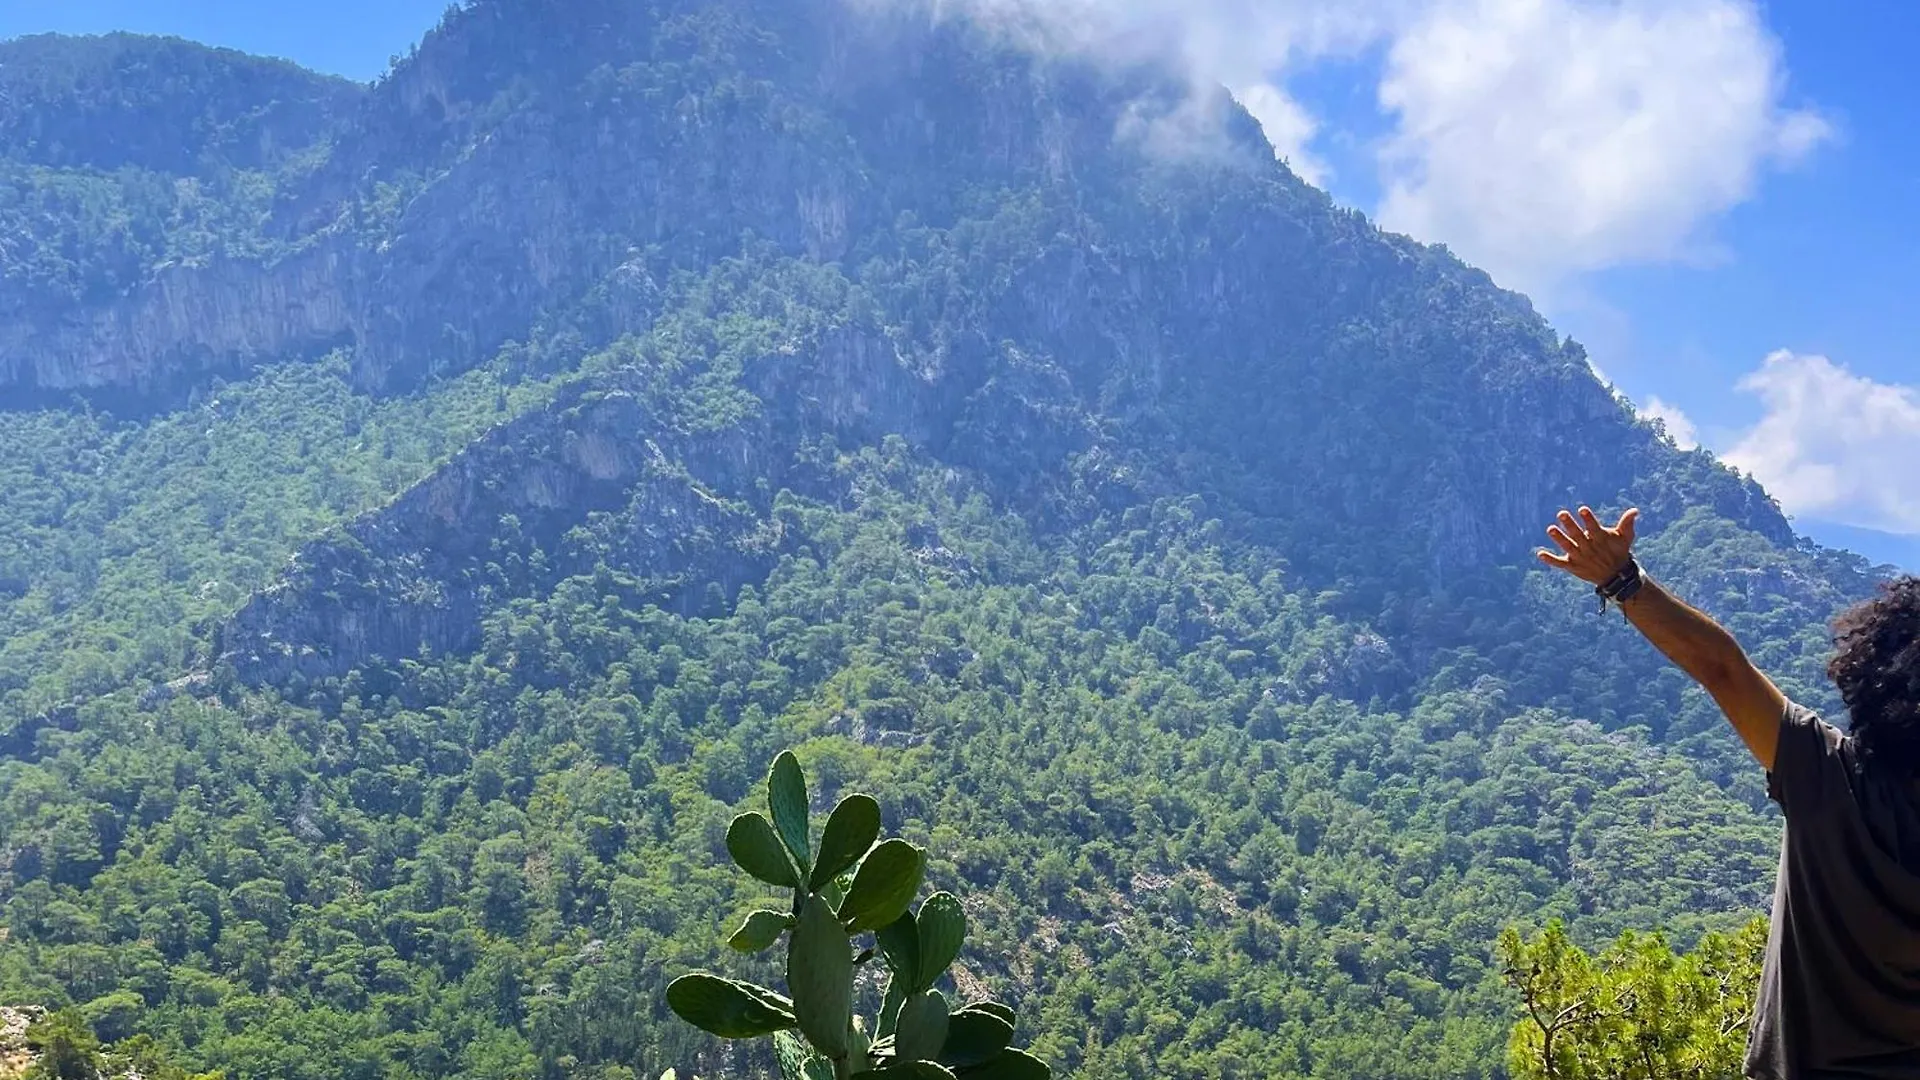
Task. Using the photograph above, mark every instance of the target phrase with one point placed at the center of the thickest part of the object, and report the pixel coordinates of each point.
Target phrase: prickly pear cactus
(850, 885)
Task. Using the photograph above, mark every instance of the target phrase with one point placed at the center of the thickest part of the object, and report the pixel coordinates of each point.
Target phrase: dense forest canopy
(161, 105)
(428, 509)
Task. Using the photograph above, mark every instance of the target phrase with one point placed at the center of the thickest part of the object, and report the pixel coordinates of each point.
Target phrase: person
(1840, 985)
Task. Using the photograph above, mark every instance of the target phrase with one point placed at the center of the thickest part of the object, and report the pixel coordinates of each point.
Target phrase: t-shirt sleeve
(1808, 767)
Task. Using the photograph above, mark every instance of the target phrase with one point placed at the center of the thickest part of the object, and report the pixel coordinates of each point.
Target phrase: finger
(1572, 529)
(1628, 522)
(1566, 542)
(1553, 558)
(1590, 521)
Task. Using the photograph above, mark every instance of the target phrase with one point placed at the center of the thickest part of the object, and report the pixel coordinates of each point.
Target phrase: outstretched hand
(1589, 550)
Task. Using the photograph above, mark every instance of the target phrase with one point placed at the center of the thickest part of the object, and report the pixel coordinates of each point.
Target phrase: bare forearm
(1706, 651)
(1602, 557)
(1690, 638)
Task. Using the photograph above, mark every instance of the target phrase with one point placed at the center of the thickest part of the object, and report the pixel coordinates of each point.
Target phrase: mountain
(1877, 545)
(402, 588)
(160, 105)
(128, 166)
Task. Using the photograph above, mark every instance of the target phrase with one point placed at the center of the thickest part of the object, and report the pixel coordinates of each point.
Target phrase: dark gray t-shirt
(1840, 990)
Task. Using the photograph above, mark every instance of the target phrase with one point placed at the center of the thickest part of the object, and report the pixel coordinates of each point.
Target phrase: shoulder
(1811, 761)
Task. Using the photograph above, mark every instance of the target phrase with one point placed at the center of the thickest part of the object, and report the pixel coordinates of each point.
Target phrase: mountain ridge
(630, 392)
(107, 101)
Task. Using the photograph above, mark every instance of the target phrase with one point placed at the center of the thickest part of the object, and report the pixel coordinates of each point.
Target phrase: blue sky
(353, 38)
(1720, 199)
(1816, 259)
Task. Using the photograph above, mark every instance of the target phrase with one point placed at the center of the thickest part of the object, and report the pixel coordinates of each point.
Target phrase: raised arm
(1695, 643)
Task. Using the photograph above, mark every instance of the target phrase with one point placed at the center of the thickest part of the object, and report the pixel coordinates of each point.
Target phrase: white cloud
(1244, 45)
(1834, 444)
(1289, 127)
(1679, 428)
(1538, 138)
(1543, 138)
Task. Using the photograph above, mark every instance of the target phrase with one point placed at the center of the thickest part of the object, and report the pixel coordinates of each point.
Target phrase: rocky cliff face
(692, 507)
(17, 1057)
(497, 177)
(691, 502)
(1124, 295)
(484, 190)
(187, 323)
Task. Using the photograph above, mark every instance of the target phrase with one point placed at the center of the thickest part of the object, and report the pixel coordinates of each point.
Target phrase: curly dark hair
(1876, 665)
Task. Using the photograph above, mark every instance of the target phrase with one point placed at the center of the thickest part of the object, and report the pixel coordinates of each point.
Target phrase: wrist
(1623, 586)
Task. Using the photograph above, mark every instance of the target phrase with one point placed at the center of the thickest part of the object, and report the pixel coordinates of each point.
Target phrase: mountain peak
(1131, 233)
(158, 103)
(616, 394)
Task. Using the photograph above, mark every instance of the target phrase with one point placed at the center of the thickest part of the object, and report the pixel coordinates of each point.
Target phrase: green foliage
(122, 156)
(1131, 627)
(65, 1046)
(939, 928)
(851, 832)
(122, 539)
(918, 1037)
(884, 885)
(760, 931)
(490, 863)
(729, 1009)
(921, 1029)
(787, 798)
(975, 1036)
(79, 237)
(752, 843)
(1636, 1011)
(820, 974)
(159, 104)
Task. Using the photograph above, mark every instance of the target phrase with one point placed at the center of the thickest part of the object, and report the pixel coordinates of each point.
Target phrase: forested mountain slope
(402, 588)
(129, 165)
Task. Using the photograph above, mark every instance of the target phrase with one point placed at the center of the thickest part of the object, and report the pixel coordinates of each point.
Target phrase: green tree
(1637, 1011)
(66, 1047)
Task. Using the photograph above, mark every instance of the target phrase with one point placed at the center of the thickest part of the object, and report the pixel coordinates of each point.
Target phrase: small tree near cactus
(845, 888)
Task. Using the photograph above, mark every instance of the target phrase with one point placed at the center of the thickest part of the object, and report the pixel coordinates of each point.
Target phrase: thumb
(1628, 521)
